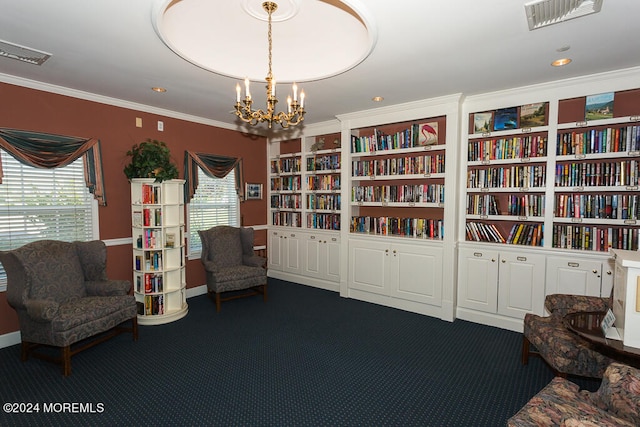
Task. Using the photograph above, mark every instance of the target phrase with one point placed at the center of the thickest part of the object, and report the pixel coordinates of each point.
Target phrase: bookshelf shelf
(158, 250)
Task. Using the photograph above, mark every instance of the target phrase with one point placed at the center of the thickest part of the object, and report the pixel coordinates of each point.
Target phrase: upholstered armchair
(564, 351)
(561, 403)
(64, 299)
(231, 265)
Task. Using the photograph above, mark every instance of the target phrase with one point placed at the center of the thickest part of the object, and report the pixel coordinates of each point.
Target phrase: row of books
(625, 172)
(410, 165)
(322, 221)
(327, 162)
(323, 182)
(150, 239)
(527, 234)
(606, 206)
(507, 148)
(324, 201)
(593, 238)
(286, 183)
(414, 136)
(507, 177)
(610, 140)
(149, 283)
(419, 193)
(151, 194)
(420, 228)
(153, 305)
(517, 205)
(286, 201)
(150, 261)
(286, 165)
(287, 219)
(481, 232)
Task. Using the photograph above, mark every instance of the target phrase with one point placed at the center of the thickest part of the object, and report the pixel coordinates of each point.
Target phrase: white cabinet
(400, 270)
(321, 256)
(157, 216)
(284, 251)
(505, 283)
(573, 275)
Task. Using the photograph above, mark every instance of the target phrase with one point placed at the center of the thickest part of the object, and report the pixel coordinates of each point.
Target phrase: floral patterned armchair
(564, 351)
(560, 403)
(231, 265)
(62, 296)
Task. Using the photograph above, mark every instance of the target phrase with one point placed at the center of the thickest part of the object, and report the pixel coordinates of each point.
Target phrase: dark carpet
(305, 358)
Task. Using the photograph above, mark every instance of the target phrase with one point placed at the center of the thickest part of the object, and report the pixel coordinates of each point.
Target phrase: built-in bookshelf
(597, 173)
(397, 179)
(157, 213)
(322, 176)
(286, 199)
(506, 175)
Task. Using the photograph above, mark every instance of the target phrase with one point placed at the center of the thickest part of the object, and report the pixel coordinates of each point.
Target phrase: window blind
(37, 204)
(214, 203)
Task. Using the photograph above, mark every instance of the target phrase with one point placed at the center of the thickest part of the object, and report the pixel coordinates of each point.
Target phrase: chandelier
(295, 110)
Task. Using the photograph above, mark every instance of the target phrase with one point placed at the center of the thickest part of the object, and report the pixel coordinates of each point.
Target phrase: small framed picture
(253, 191)
(482, 122)
(506, 118)
(599, 106)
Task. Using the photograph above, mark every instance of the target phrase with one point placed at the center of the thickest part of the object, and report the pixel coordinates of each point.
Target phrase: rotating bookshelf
(157, 216)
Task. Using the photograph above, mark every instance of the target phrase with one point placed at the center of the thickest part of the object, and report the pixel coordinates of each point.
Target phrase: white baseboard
(197, 291)
(12, 338)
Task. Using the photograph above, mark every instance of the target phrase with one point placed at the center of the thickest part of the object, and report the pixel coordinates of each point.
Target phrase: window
(38, 204)
(214, 203)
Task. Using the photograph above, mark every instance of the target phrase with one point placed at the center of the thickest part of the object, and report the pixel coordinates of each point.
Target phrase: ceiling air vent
(541, 13)
(22, 53)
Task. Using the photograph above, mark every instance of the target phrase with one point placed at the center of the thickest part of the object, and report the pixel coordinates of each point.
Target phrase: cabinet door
(313, 256)
(416, 273)
(573, 276)
(275, 250)
(332, 250)
(292, 253)
(368, 264)
(521, 284)
(478, 279)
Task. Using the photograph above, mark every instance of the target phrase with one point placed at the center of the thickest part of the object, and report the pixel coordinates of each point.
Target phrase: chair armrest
(108, 288)
(41, 310)
(254, 260)
(563, 304)
(619, 392)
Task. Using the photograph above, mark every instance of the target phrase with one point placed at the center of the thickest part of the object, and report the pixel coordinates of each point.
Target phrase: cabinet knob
(595, 271)
(609, 272)
(504, 260)
(493, 260)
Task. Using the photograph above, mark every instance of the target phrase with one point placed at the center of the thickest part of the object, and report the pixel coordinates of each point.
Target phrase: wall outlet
(160, 125)
(138, 122)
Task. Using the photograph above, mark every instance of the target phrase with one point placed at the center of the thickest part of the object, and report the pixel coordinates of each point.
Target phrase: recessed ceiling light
(158, 89)
(561, 62)
(377, 99)
(563, 48)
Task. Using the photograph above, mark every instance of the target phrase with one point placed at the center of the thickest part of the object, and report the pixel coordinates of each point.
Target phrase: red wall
(115, 127)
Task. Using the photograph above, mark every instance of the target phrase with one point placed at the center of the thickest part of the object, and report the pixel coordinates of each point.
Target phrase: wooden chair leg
(218, 302)
(66, 360)
(135, 328)
(525, 350)
(24, 353)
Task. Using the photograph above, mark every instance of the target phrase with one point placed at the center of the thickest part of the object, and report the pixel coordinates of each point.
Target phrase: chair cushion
(225, 247)
(53, 269)
(565, 351)
(82, 311)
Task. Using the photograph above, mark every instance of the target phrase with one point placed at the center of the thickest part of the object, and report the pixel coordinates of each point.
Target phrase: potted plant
(151, 159)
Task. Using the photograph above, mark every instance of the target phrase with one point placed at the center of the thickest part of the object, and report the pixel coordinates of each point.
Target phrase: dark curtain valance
(48, 151)
(213, 166)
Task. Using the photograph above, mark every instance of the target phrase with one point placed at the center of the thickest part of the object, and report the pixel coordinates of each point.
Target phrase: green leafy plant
(151, 159)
